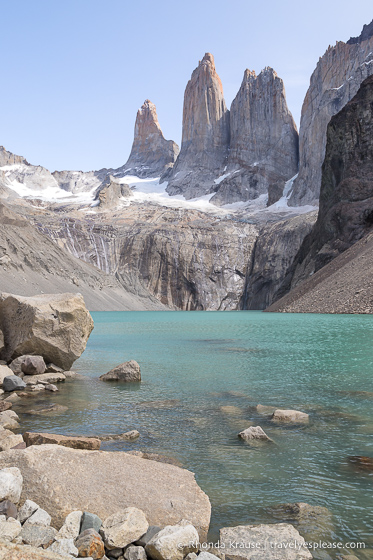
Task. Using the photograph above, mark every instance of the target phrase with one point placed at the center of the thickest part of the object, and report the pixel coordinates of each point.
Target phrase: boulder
(33, 365)
(10, 441)
(254, 433)
(44, 378)
(65, 547)
(5, 405)
(35, 438)
(124, 527)
(4, 372)
(8, 421)
(173, 542)
(28, 508)
(135, 553)
(16, 364)
(39, 517)
(71, 527)
(11, 483)
(13, 383)
(90, 521)
(294, 416)
(89, 543)
(152, 530)
(12, 551)
(8, 509)
(280, 541)
(10, 529)
(37, 535)
(128, 371)
(55, 326)
(62, 479)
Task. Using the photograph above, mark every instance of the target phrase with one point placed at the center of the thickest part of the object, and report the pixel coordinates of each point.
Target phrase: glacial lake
(214, 368)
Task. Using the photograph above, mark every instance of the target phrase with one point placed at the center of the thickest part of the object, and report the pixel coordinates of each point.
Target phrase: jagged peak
(250, 75)
(366, 33)
(208, 59)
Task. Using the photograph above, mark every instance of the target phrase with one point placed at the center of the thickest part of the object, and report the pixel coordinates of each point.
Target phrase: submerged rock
(128, 371)
(280, 541)
(55, 326)
(313, 522)
(361, 463)
(294, 416)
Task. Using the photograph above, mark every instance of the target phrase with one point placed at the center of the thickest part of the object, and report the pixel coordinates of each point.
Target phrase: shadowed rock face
(263, 151)
(336, 79)
(346, 199)
(151, 153)
(205, 137)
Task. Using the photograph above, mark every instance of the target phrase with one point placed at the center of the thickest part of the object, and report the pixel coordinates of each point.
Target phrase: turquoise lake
(215, 367)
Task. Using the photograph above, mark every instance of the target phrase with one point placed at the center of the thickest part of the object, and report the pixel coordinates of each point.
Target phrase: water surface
(214, 368)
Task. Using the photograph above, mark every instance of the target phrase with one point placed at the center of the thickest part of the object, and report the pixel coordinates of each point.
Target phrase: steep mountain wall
(263, 151)
(346, 199)
(335, 81)
(205, 133)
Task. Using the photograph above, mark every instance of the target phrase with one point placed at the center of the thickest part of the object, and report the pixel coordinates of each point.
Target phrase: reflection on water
(203, 375)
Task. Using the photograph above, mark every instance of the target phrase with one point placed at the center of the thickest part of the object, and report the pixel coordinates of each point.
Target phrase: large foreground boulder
(55, 326)
(60, 480)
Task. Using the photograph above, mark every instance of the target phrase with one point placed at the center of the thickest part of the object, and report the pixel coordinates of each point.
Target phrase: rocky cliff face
(263, 151)
(275, 248)
(151, 153)
(205, 136)
(346, 199)
(184, 258)
(334, 82)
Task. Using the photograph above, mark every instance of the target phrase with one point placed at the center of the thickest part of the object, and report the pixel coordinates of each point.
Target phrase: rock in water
(254, 433)
(34, 438)
(290, 416)
(56, 326)
(263, 151)
(128, 371)
(151, 154)
(205, 135)
(264, 542)
(61, 479)
(329, 91)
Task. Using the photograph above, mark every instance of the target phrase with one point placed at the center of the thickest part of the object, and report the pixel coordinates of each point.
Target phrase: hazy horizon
(75, 73)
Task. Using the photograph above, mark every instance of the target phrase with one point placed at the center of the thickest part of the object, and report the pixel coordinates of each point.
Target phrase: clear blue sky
(74, 72)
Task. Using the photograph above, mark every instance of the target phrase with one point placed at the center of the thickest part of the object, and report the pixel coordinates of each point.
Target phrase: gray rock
(37, 535)
(33, 365)
(264, 542)
(291, 416)
(28, 508)
(152, 530)
(16, 364)
(254, 433)
(51, 387)
(8, 509)
(90, 521)
(65, 547)
(123, 528)
(11, 482)
(128, 371)
(10, 529)
(135, 553)
(13, 383)
(40, 517)
(116, 552)
(173, 542)
(52, 368)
